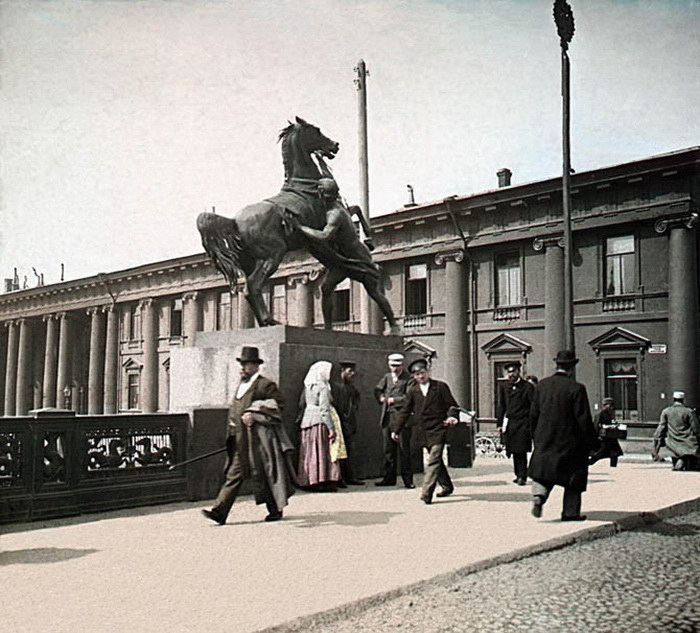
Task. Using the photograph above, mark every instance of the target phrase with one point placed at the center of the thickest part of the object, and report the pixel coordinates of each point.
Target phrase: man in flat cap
(346, 400)
(258, 447)
(390, 392)
(564, 436)
(435, 409)
(609, 446)
(514, 406)
(679, 432)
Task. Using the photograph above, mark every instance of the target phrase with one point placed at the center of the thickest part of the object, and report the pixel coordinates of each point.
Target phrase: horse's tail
(222, 242)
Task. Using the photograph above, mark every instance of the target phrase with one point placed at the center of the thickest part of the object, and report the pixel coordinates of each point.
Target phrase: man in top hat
(257, 445)
(346, 400)
(609, 446)
(679, 431)
(435, 409)
(563, 435)
(514, 406)
(390, 392)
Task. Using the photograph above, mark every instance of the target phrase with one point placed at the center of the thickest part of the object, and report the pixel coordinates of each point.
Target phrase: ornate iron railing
(59, 465)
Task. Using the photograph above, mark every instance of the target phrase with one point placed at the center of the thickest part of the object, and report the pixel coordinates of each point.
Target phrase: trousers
(572, 498)
(436, 471)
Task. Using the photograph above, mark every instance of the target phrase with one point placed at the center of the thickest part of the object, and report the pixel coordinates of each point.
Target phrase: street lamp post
(564, 19)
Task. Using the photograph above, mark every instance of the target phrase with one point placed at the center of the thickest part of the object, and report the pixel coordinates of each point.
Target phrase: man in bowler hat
(390, 392)
(346, 400)
(514, 406)
(258, 447)
(564, 436)
(435, 409)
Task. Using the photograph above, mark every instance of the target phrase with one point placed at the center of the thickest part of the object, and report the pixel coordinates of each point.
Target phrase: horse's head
(310, 139)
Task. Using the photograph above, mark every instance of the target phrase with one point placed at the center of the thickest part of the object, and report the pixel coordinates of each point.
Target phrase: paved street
(645, 581)
(167, 568)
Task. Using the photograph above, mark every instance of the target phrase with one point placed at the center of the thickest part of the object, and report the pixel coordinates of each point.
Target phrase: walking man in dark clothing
(346, 400)
(513, 419)
(609, 447)
(435, 409)
(564, 435)
(390, 392)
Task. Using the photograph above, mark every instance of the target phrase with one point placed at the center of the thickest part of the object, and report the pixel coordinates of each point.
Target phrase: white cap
(395, 358)
(678, 395)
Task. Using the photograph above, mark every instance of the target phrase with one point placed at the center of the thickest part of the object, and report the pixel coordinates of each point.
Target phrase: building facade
(476, 280)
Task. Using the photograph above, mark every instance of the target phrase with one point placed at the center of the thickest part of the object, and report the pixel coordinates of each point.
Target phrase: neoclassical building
(477, 281)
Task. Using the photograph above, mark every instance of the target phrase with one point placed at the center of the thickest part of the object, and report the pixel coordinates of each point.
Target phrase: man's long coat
(563, 432)
(516, 400)
(679, 430)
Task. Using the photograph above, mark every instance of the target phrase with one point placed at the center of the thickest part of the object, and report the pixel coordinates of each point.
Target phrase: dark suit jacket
(430, 412)
(563, 432)
(386, 387)
(346, 400)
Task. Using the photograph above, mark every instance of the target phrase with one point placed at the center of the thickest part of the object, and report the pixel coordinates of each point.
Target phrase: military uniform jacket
(388, 388)
(563, 432)
(430, 412)
(516, 400)
(346, 400)
(679, 429)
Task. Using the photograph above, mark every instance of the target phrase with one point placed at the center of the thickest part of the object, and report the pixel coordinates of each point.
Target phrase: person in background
(435, 409)
(514, 405)
(346, 400)
(679, 432)
(390, 392)
(316, 470)
(609, 446)
(258, 447)
(564, 436)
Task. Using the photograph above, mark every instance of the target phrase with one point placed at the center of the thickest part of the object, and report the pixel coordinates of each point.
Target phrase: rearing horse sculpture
(256, 239)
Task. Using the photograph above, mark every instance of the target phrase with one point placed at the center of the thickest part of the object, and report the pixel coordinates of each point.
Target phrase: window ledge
(619, 304)
(506, 314)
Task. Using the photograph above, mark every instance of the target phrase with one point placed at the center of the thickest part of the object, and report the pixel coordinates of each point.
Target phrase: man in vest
(258, 447)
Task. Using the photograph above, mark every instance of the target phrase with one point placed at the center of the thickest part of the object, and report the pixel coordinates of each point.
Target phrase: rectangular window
(416, 289)
(132, 395)
(134, 323)
(619, 265)
(621, 386)
(279, 303)
(176, 317)
(223, 311)
(508, 279)
(500, 377)
(341, 302)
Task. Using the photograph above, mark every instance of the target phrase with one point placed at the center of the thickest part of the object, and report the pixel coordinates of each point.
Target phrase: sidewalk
(167, 568)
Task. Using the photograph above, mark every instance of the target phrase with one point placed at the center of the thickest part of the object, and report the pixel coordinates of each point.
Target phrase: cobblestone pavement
(645, 581)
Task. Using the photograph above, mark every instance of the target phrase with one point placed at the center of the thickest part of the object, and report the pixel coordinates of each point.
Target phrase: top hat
(565, 357)
(250, 355)
(416, 365)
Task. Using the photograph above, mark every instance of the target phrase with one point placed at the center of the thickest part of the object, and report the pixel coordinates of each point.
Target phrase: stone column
(246, 318)
(11, 368)
(48, 398)
(111, 369)
(191, 317)
(149, 376)
(304, 299)
(371, 321)
(554, 334)
(456, 339)
(24, 368)
(682, 306)
(95, 403)
(65, 343)
(3, 368)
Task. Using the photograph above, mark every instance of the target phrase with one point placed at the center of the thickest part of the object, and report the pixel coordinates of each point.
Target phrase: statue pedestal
(205, 375)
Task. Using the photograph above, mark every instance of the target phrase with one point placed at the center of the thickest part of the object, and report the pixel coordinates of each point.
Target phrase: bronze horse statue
(257, 238)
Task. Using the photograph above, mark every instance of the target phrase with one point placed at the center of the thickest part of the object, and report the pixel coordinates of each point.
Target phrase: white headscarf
(319, 372)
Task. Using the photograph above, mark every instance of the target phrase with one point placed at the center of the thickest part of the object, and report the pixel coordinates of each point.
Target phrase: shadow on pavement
(42, 555)
(471, 483)
(501, 496)
(608, 515)
(358, 518)
(673, 529)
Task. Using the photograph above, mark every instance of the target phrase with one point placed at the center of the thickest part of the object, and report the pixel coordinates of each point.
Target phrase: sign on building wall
(657, 348)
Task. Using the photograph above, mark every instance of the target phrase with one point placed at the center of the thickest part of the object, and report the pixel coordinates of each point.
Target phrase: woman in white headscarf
(316, 469)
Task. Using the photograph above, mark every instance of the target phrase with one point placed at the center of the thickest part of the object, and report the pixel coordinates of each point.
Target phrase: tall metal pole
(369, 319)
(564, 19)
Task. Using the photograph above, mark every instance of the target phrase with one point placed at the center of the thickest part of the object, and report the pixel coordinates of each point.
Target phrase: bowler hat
(250, 355)
(565, 357)
(418, 364)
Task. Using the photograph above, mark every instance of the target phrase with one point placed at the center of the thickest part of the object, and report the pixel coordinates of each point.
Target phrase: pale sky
(122, 120)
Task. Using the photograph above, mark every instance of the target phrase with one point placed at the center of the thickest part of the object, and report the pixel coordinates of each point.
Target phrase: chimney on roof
(411, 198)
(504, 177)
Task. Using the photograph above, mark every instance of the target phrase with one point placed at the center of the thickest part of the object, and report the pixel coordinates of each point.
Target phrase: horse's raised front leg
(331, 279)
(263, 270)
